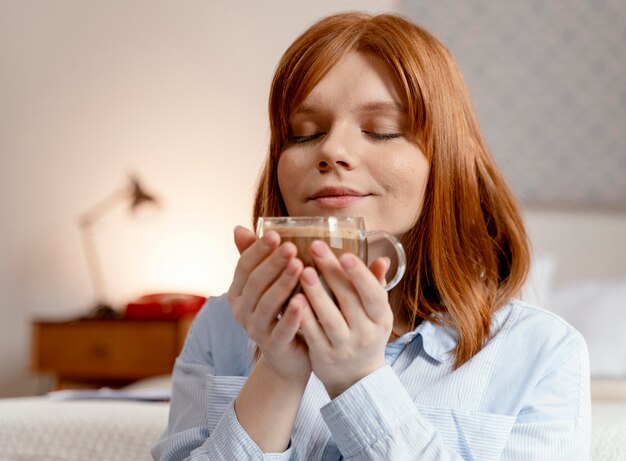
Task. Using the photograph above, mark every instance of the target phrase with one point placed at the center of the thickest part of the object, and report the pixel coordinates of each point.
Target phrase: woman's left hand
(346, 342)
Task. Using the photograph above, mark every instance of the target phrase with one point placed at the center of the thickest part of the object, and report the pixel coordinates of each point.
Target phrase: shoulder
(216, 339)
(215, 316)
(216, 310)
(536, 340)
(536, 359)
(536, 328)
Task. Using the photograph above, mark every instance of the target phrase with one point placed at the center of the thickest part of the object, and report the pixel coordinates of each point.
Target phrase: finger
(267, 273)
(251, 257)
(379, 268)
(310, 327)
(328, 315)
(274, 298)
(255, 285)
(373, 297)
(287, 327)
(338, 282)
(243, 238)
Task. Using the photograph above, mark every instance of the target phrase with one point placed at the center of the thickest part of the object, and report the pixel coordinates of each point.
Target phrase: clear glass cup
(342, 235)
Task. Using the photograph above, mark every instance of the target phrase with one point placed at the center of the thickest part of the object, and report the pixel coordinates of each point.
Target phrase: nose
(337, 151)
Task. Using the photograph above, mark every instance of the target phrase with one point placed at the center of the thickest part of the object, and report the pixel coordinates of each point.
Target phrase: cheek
(406, 176)
(282, 174)
(287, 172)
(404, 179)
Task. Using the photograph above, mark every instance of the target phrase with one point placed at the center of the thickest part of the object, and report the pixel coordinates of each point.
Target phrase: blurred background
(176, 93)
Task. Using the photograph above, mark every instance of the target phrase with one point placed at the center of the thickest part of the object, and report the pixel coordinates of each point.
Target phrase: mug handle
(400, 255)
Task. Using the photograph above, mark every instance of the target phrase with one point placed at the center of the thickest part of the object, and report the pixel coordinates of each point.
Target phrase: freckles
(292, 173)
(403, 176)
(284, 172)
(401, 172)
(286, 165)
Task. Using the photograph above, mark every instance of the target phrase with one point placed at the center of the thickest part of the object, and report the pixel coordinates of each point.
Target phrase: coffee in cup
(341, 234)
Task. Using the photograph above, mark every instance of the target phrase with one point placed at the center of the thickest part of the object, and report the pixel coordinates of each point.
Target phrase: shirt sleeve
(202, 421)
(377, 419)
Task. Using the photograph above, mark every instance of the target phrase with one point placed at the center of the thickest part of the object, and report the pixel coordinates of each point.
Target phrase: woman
(370, 117)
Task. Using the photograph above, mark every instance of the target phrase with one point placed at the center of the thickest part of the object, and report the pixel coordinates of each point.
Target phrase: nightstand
(98, 352)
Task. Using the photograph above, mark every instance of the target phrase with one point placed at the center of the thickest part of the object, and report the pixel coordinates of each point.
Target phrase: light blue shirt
(524, 396)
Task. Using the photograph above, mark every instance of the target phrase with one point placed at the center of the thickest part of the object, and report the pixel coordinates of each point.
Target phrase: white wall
(176, 91)
(92, 90)
(585, 245)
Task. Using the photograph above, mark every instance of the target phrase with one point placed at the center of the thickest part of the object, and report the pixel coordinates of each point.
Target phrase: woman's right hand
(266, 274)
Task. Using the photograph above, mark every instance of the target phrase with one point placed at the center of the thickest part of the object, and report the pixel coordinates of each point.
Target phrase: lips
(336, 192)
(337, 197)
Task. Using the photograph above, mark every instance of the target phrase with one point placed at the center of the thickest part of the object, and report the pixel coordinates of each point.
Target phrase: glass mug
(342, 235)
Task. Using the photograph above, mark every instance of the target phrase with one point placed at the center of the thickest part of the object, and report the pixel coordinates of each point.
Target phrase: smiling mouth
(335, 192)
(334, 197)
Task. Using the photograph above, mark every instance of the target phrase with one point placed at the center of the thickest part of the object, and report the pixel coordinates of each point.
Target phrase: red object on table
(164, 306)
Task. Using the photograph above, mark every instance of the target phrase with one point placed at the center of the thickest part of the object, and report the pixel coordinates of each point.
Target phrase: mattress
(39, 428)
(608, 433)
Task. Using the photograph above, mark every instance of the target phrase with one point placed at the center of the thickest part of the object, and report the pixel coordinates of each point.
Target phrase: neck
(400, 323)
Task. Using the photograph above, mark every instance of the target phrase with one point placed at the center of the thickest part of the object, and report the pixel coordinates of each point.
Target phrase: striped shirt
(524, 396)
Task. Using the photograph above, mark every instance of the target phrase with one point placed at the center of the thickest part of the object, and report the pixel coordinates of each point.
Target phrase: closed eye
(302, 139)
(382, 136)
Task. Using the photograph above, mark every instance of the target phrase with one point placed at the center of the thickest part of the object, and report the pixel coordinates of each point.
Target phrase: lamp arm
(93, 263)
(103, 207)
(134, 194)
(86, 222)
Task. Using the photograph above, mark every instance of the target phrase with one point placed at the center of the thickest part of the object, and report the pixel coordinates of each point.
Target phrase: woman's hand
(265, 277)
(346, 342)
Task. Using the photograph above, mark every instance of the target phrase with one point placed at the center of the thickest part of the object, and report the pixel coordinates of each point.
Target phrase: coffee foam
(313, 231)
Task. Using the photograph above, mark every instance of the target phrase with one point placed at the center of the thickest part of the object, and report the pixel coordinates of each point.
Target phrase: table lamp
(136, 197)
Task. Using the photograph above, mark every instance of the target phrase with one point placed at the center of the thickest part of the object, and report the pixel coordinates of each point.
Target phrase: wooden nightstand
(95, 353)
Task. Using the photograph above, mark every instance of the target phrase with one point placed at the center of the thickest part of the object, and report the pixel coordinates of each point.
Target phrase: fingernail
(317, 248)
(285, 251)
(292, 267)
(347, 261)
(295, 302)
(309, 276)
(387, 262)
(300, 298)
(268, 239)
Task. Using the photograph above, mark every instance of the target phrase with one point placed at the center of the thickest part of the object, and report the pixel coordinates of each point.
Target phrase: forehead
(357, 81)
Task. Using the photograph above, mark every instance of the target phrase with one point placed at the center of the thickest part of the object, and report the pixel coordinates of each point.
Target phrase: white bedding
(608, 436)
(37, 428)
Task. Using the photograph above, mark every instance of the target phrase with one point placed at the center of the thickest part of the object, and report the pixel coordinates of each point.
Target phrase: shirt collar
(438, 341)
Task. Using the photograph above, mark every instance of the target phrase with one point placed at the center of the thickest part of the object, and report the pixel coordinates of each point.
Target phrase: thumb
(243, 238)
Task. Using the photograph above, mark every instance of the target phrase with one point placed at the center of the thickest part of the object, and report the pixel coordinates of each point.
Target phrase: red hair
(468, 252)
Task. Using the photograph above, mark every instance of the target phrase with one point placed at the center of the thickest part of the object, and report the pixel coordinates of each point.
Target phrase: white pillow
(538, 287)
(155, 383)
(598, 310)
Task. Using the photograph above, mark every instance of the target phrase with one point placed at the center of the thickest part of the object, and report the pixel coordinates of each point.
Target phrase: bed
(37, 428)
(608, 434)
(40, 428)
(84, 425)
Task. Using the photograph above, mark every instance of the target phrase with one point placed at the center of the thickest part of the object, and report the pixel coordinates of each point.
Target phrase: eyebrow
(381, 106)
(373, 106)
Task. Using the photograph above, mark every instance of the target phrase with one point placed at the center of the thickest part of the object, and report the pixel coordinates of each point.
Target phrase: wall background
(548, 82)
(91, 91)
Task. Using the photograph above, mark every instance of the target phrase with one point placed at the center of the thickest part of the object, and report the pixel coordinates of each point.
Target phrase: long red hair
(468, 252)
